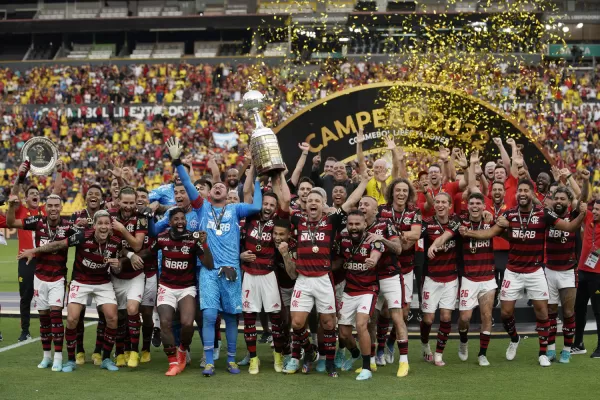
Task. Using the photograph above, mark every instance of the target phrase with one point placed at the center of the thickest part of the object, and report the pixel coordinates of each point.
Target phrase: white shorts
(439, 295)
(390, 290)
(48, 294)
(350, 305)
(559, 280)
(128, 289)
(471, 292)
(171, 297)
(101, 294)
(150, 289)
(514, 284)
(260, 291)
(339, 292)
(286, 296)
(408, 287)
(311, 290)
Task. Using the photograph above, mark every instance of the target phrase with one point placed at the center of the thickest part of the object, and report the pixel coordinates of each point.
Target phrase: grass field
(519, 379)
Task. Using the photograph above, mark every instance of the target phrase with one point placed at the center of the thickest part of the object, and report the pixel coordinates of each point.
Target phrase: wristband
(130, 254)
(176, 162)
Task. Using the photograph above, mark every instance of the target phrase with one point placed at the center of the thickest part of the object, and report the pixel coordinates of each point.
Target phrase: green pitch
(520, 379)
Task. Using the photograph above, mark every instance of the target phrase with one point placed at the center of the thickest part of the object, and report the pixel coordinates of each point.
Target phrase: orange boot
(181, 358)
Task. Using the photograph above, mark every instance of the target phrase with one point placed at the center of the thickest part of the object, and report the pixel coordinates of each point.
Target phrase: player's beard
(356, 235)
(559, 209)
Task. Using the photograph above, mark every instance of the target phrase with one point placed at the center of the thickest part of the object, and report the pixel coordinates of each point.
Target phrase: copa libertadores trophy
(42, 155)
(266, 155)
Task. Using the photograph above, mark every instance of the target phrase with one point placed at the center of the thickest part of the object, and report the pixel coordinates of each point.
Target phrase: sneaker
(463, 351)
(364, 375)
(291, 367)
(511, 351)
(217, 351)
(380, 359)
(347, 364)
(233, 368)
(173, 370)
(46, 362)
(544, 362)
(419, 316)
(483, 361)
(146, 357)
(403, 369)
(127, 354)
(70, 366)
(389, 352)
(427, 354)
(108, 364)
(134, 359)
(57, 366)
(24, 336)
(493, 322)
(438, 360)
(551, 354)
(321, 366)
(120, 360)
(278, 361)
(579, 349)
(97, 358)
(209, 370)
(565, 357)
(286, 360)
(266, 337)
(203, 362)
(80, 358)
(254, 366)
(340, 357)
(309, 359)
(245, 361)
(596, 353)
(156, 342)
(333, 373)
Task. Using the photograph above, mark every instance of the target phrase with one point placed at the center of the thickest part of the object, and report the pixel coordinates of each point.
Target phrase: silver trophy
(42, 155)
(266, 155)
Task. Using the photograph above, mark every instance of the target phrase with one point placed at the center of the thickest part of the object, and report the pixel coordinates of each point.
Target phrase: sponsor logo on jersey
(176, 264)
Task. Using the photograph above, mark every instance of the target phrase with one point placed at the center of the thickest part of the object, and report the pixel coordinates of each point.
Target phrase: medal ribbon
(218, 220)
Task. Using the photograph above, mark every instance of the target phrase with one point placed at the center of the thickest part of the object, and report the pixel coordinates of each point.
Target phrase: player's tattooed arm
(47, 248)
(394, 246)
(290, 264)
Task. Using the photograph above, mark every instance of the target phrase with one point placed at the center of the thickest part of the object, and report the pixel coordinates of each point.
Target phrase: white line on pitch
(37, 339)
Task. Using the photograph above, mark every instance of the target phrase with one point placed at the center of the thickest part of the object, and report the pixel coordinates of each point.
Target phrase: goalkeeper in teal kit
(221, 287)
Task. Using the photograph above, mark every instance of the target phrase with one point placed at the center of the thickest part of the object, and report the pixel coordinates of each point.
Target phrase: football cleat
(146, 357)
(156, 342)
(544, 362)
(254, 366)
(278, 361)
(181, 358)
(80, 358)
(266, 337)
(127, 354)
(403, 369)
(188, 357)
(173, 370)
(551, 354)
(70, 366)
(483, 361)
(245, 361)
(427, 354)
(108, 365)
(233, 368)
(291, 367)
(511, 351)
(209, 370)
(438, 360)
(596, 353)
(463, 351)
(46, 362)
(321, 366)
(340, 357)
(579, 349)
(389, 352)
(120, 361)
(97, 358)
(380, 359)
(57, 366)
(203, 362)
(333, 374)
(364, 375)
(134, 359)
(565, 357)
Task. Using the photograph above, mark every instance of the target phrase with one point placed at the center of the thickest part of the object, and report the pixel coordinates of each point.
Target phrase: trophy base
(271, 170)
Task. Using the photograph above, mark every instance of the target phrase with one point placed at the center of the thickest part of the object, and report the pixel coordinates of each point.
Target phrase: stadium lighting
(580, 25)
(565, 29)
(344, 39)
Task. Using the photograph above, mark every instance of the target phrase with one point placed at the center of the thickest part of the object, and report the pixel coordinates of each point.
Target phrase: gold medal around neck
(473, 250)
(315, 249)
(258, 247)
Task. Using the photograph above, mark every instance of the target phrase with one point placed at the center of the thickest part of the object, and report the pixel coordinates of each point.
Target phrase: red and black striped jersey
(135, 224)
(359, 278)
(83, 214)
(388, 265)
(315, 242)
(150, 262)
(526, 237)
(91, 258)
(403, 221)
(283, 279)
(478, 255)
(178, 259)
(258, 238)
(442, 268)
(560, 247)
(50, 267)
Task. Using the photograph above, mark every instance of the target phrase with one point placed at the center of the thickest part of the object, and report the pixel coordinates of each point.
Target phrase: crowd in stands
(570, 135)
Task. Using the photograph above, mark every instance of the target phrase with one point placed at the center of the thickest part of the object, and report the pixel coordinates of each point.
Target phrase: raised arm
(357, 193)
(360, 156)
(155, 228)
(503, 153)
(573, 226)
(13, 204)
(282, 190)
(314, 172)
(245, 209)
(300, 164)
(288, 261)
(248, 186)
(585, 191)
(58, 181)
(213, 167)
(51, 247)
